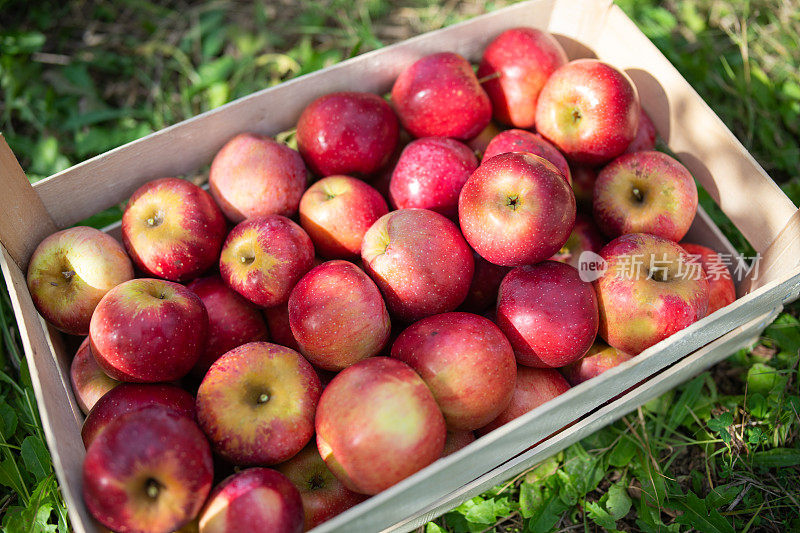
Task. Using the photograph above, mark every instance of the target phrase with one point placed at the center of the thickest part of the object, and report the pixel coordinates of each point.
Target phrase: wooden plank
(61, 417)
(666, 380)
(715, 157)
(25, 221)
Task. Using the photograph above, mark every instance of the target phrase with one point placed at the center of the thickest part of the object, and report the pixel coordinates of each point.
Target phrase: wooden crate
(758, 208)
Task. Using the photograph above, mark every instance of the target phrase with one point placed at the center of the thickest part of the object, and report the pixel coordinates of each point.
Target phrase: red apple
(337, 211)
(256, 404)
(337, 315)
(597, 360)
(150, 470)
(255, 499)
(254, 175)
(264, 257)
(279, 329)
(466, 362)
(548, 313)
(645, 192)
(645, 138)
(525, 141)
(347, 133)
(585, 237)
(232, 320)
(89, 382)
(148, 330)
(521, 60)
(721, 289)
(484, 286)
(130, 397)
(583, 179)
(420, 262)
(430, 174)
(457, 439)
(70, 271)
(648, 292)
(516, 209)
(439, 96)
(480, 142)
(323, 495)
(534, 387)
(173, 229)
(377, 423)
(589, 110)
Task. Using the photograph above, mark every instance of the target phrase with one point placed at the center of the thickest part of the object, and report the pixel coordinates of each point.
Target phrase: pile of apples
(347, 345)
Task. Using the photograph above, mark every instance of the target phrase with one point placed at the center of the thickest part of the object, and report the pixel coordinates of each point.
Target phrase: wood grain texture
(25, 221)
(49, 367)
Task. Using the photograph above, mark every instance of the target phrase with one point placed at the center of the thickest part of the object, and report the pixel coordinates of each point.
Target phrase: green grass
(719, 453)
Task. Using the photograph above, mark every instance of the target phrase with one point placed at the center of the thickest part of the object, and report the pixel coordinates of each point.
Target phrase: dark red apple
(254, 175)
(430, 174)
(254, 499)
(525, 141)
(232, 320)
(150, 470)
(466, 362)
(173, 229)
(457, 439)
(337, 315)
(89, 382)
(645, 138)
(377, 423)
(256, 404)
(589, 110)
(516, 209)
(279, 329)
(148, 330)
(583, 179)
(585, 237)
(349, 133)
(323, 495)
(264, 257)
(721, 290)
(518, 62)
(534, 387)
(439, 96)
(420, 262)
(130, 397)
(484, 286)
(548, 313)
(337, 211)
(479, 143)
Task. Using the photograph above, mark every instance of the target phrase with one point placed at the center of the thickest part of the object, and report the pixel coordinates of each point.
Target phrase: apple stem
(68, 274)
(152, 488)
(488, 77)
(638, 194)
(263, 398)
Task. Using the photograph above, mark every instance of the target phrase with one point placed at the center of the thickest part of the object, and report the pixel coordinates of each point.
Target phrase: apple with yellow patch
(255, 499)
(377, 423)
(645, 192)
(264, 257)
(89, 382)
(70, 272)
(648, 292)
(257, 402)
(172, 229)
